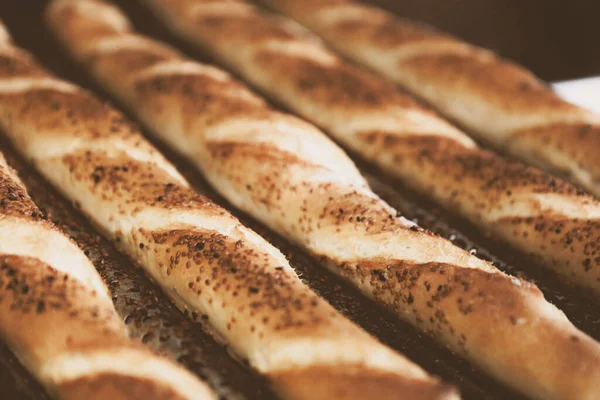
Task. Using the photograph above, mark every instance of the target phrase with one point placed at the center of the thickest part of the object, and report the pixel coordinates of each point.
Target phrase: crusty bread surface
(499, 101)
(286, 173)
(215, 269)
(541, 216)
(58, 319)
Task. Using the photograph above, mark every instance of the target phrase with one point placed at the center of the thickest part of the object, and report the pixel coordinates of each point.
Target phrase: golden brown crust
(441, 298)
(202, 99)
(125, 62)
(371, 117)
(337, 85)
(34, 294)
(379, 27)
(133, 185)
(54, 315)
(480, 184)
(215, 269)
(276, 169)
(470, 85)
(50, 109)
(352, 383)
(386, 33)
(14, 199)
(505, 84)
(116, 387)
(368, 115)
(576, 142)
(235, 275)
(94, 25)
(241, 29)
(19, 66)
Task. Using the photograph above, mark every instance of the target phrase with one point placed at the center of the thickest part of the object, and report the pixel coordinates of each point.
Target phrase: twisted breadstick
(57, 316)
(213, 267)
(289, 175)
(541, 216)
(499, 101)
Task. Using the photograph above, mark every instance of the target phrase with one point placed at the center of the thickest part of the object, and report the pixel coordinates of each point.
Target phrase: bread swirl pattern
(213, 267)
(500, 102)
(542, 216)
(289, 175)
(57, 316)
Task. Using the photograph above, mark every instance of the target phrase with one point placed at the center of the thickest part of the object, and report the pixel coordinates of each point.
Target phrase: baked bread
(288, 174)
(214, 268)
(542, 216)
(497, 100)
(58, 319)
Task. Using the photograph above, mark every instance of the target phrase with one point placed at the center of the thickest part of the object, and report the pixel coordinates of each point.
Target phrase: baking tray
(151, 317)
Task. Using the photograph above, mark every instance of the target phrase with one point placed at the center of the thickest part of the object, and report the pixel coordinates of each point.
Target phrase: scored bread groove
(57, 317)
(146, 312)
(212, 266)
(318, 199)
(371, 117)
(497, 100)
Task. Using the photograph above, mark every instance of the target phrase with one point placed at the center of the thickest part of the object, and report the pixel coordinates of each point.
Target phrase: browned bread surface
(522, 206)
(212, 266)
(501, 102)
(74, 342)
(290, 176)
(323, 384)
(57, 317)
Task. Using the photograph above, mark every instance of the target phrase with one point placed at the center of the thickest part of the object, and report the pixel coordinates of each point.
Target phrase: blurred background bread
(555, 38)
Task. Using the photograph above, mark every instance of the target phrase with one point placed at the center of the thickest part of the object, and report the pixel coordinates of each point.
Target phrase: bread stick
(499, 101)
(212, 266)
(58, 319)
(288, 174)
(541, 216)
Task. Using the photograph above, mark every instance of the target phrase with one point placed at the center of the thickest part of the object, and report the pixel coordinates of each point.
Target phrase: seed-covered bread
(541, 216)
(288, 174)
(58, 319)
(499, 101)
(214, 268)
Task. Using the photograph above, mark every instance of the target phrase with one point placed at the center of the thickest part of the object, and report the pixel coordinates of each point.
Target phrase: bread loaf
(58, 319)
(544, 217)
(541, 216)
(214, 268)
(497, 100)
(288, 174)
